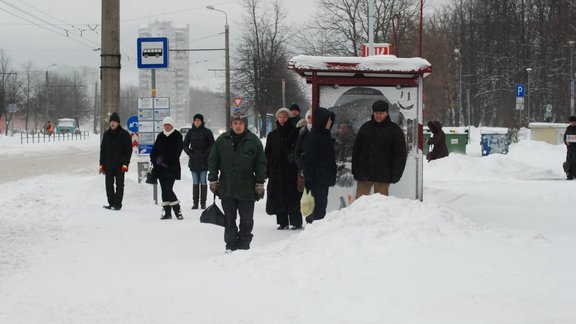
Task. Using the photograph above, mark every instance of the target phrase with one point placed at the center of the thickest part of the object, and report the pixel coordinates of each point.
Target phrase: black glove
(259, 191)
(395, 179)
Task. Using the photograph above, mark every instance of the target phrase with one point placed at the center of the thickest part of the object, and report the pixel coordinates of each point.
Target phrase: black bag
(213, 215)
(151, 177)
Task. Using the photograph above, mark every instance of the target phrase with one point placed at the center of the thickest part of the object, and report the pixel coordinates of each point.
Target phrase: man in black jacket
(115, 153)
(379, 152)
(570, 141)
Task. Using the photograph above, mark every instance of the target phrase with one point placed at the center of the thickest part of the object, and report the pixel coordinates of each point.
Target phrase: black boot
(167, 212)
(203, 191)
(195, 196)
(177, 211)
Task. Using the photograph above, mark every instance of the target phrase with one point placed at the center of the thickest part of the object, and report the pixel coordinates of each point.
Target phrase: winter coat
(197, 145)
(570, 130)
(237, 168)
(438, 139)
(379, 152)
(283, 195)
(318, 156)
(294, 120)
(165, 155)
(303, 134)
(115, 149)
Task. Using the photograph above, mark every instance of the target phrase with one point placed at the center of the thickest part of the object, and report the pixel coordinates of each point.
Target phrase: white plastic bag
(306, 203)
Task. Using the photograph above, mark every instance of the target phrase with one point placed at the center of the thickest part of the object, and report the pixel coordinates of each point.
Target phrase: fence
(56, 137)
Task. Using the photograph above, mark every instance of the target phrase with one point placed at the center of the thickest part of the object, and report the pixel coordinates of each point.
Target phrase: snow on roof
(547, 125)
(493, 130)
(378, 63)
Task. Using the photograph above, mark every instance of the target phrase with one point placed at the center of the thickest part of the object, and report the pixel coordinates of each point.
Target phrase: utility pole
(571, 43)
(110, 61)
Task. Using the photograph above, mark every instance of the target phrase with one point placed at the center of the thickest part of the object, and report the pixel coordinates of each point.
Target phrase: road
(20, 166)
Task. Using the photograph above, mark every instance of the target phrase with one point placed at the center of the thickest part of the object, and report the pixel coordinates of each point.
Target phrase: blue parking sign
(520, 90)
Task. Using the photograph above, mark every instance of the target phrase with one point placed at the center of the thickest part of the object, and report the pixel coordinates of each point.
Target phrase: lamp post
(528, 90)
(460, 112)
(47, 88)
(227, 64)
(571, 43)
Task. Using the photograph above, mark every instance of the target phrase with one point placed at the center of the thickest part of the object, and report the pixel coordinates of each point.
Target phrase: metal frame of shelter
(394, 77)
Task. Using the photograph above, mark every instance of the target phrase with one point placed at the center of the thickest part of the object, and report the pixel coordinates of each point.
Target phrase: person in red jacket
(49, 129)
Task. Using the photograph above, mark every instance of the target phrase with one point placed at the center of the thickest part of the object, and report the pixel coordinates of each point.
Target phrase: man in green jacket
(237, 171)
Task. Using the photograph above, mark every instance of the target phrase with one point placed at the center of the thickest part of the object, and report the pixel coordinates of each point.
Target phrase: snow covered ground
(493, 242)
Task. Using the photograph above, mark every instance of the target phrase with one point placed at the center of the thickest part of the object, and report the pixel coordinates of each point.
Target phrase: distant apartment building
(172, 82)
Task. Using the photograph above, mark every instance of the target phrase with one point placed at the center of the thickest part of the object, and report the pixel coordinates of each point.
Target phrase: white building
(172, 82)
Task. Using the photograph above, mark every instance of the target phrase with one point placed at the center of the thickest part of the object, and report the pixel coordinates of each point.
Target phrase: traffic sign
(132, 124)
(520, 90)
(152, 52)
(238, 101)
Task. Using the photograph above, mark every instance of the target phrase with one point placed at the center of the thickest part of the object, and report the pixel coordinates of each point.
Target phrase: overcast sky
(35, 30)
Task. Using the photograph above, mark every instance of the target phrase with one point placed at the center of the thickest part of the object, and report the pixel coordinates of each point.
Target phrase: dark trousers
(167, 186)
(115, 196)
(285, 219)
(234, 238)
(571, 163)
(320, 195)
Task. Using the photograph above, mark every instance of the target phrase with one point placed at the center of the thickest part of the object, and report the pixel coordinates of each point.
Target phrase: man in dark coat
(570, 141)
(237, 172)
(319, 161)
(295, 114)
(197, 145)
(379, 152)
(115, 153)
(438, 140)
(283, 196)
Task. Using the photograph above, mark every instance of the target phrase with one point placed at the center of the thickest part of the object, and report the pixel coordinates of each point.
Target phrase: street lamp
(571, 43)
(227, 67)
(528, 90)
(47, 88)
(457, 58)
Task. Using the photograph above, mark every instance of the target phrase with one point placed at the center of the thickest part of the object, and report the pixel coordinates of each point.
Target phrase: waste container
(456, 139)
(494, 140)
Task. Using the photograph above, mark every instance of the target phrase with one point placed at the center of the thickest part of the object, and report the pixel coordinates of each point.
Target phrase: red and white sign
(377, 49)
(238, 101)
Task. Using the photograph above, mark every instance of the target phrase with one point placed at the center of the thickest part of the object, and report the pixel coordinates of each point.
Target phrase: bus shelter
(349, 86)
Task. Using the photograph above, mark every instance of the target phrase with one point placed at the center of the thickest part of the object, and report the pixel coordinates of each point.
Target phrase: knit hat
(168, 120)
(282, 110)
(295, 106)
(380, 105)
(199, 116)
(240, 115)
(572, 118)
(115, 117)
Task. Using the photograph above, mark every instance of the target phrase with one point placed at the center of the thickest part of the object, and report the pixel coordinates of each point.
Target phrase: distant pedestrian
(438, 141)
(165, 158)
(570, 141)
(344, 141)
(294, 114)
(197, 145)
(379, 153)
(49, 129)
(237, 172)
(283, 198)
(319, 161)
(115, 153)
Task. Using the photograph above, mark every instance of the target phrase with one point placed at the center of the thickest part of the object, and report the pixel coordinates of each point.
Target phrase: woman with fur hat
(197, 145)
(165, 157)
(283, 195)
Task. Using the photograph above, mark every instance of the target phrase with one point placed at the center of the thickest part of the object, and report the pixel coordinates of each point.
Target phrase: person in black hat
(295, 114)
(197, 145)
(570, 141)
(379, 152)
(115, 153)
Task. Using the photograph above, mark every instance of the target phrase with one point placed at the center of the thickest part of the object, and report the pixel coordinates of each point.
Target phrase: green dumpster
(456, 139)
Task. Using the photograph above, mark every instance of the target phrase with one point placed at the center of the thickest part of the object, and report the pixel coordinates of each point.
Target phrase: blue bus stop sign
(132, 124)
(520, 90)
